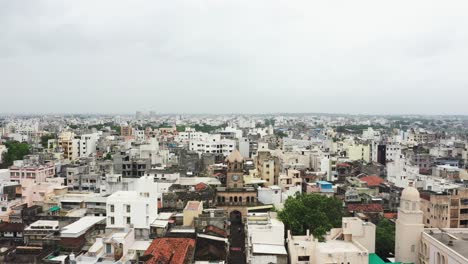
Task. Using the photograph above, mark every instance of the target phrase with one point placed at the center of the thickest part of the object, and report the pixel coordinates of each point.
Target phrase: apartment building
(135, 208)
(31, 170)
(87, 144)
(268, 167)
(446, 210)
(69, 145)
(213, 144)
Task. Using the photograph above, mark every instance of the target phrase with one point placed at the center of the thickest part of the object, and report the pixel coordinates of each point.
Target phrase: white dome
(410, 194)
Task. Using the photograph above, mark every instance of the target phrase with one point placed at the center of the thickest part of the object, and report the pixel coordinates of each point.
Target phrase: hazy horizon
(226, 57)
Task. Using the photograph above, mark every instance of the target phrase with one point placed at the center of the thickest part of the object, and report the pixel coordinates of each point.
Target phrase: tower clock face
(235, 177)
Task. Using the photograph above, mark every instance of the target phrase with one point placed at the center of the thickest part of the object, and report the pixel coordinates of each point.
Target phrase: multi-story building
(213, 144)
(268, 167)
(137, 208)
(126, 131)
(360, 152)
(87, 144)
(27, 170)
(265, 239)
(69, 145)
(291, 181)
(445, 210)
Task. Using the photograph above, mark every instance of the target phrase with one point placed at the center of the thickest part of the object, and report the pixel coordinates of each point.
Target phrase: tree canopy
(315, 212)
(15, 151)
(45, 139)
(385, 238)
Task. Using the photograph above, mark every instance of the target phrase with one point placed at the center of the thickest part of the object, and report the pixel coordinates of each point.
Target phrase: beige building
(409, 227)
(449, 210)
(126, 131)
(268, 167)
(359, 152)
(350, 244)
(69, 145)
(192, 209)
(291, 180)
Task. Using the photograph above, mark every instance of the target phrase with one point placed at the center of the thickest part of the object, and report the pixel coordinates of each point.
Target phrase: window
(128, 208)
(112, 208)
(112, 220)
(303, 258)
(108, 248)
(128, 220)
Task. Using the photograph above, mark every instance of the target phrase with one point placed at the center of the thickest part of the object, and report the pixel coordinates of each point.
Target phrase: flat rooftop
(192, 206)
(459, 238)
(80, 227)
(334, 246)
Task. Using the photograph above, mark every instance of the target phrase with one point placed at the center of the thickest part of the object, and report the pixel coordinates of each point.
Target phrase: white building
(138, 208)
(87, 144)
(265, 239)
(350, 244)
(444, 246)
(213, 144)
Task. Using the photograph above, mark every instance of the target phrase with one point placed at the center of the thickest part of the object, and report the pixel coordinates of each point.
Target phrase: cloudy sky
(383, 57)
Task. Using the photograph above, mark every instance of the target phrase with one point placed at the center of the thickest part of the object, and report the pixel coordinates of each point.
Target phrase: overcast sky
(382, 57)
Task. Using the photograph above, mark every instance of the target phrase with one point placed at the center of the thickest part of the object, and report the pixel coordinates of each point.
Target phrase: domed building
(409, 226)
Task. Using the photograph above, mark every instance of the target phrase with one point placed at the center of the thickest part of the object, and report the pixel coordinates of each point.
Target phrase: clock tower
(235, 170)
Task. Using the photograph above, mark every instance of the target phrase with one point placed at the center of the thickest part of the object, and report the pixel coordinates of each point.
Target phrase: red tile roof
(343, 165)
(372, 181)
(200, 187)
(366, 208)
(171, 250)
(216, 230)
(390, 215)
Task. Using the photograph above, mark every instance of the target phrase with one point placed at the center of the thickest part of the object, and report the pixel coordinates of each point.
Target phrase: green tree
(15, 151)
(280, 134)
(181, 128)
(385, 238)
(315, 212)
(45, 139)
(108, 156)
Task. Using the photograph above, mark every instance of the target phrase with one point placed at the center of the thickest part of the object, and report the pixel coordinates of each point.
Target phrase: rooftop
(458, 236)
(80, 227)
(193, 206)
(174, 250)
(372, 181)
(334, 246)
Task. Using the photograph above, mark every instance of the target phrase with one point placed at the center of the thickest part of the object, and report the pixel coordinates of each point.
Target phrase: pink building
(20, 171)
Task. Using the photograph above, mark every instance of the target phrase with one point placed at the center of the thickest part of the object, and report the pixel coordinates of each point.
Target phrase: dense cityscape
(273, 188)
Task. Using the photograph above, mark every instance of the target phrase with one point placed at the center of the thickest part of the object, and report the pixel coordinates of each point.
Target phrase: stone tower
(235, 170)
(409, 227)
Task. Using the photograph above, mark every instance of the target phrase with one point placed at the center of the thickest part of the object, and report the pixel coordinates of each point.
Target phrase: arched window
(230, 199)
(443, 259)
(219, 199)
(240, 199)
(235, 199)
(223, 199)
(248, 199)
(438, 258)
